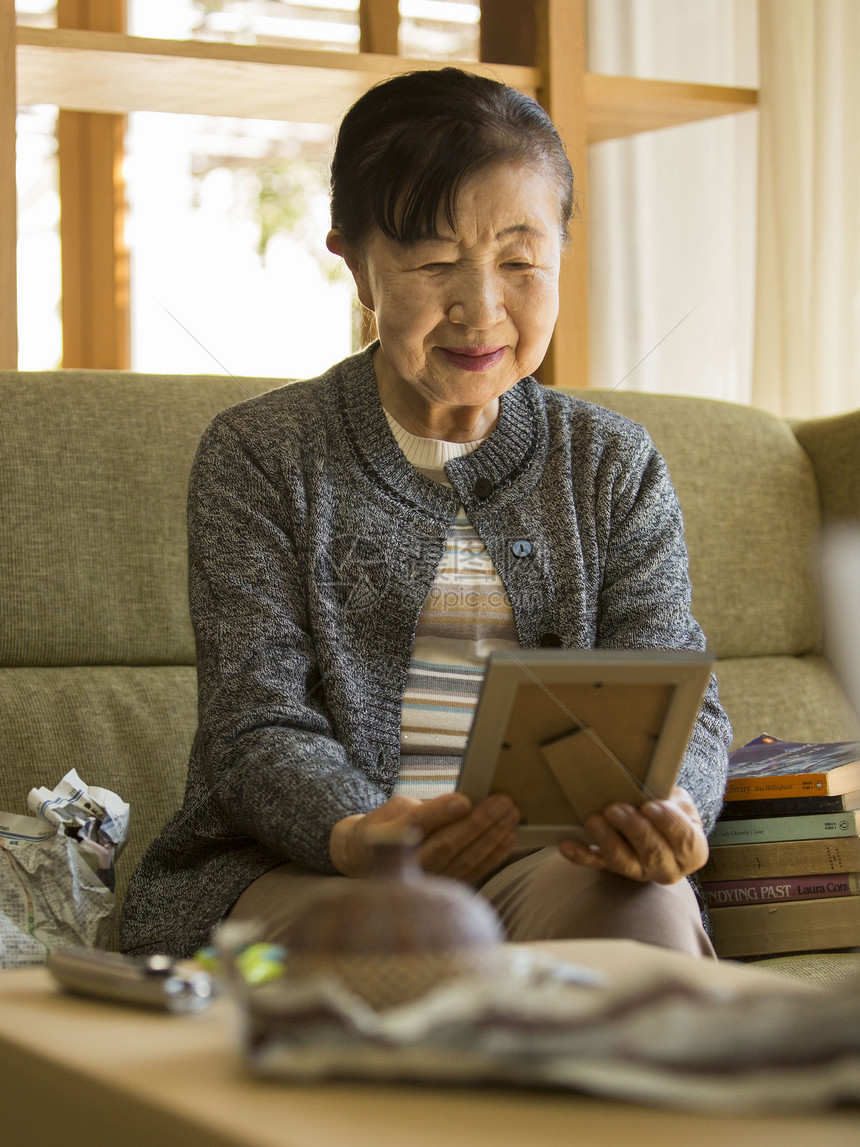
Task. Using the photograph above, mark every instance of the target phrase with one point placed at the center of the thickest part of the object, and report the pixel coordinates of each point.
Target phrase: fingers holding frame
(663, 841)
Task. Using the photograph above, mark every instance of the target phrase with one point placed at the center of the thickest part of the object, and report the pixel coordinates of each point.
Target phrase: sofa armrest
(833, 446)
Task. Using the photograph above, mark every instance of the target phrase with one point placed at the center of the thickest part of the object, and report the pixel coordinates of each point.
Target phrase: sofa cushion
(93, 473)
(122, 728)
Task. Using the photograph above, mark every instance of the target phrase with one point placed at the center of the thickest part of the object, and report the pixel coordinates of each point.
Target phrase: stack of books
(784, 871)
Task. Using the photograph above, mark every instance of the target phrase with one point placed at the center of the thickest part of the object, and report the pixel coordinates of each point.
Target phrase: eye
(435, 266)
(517, 265)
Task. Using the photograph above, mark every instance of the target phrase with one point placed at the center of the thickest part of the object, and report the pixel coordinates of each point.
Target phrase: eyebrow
(514, 229)
(523, 229)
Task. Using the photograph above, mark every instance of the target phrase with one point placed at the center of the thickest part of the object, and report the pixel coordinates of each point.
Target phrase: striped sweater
(313, 544)
(466, 614)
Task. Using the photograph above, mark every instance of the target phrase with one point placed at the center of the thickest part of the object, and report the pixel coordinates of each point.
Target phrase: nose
(477, 299)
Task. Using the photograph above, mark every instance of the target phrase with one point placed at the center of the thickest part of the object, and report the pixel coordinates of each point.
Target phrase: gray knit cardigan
(313, 543)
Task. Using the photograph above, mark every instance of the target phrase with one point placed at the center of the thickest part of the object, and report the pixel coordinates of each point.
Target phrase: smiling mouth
(473, 358)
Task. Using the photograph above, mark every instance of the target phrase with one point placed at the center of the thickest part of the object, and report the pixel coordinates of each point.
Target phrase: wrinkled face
(465, 314)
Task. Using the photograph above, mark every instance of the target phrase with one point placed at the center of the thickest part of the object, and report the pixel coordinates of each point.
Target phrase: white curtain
(807, 347)
(672, 212)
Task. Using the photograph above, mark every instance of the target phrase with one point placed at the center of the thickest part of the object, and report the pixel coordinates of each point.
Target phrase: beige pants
(541, 896)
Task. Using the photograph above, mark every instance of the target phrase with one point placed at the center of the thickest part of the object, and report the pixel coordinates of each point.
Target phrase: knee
(555, 900)
(666, 915)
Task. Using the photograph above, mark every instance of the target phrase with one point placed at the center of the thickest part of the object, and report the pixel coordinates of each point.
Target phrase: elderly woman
(352, 561)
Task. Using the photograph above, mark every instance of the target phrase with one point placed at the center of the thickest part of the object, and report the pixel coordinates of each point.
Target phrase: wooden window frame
(95, 302)
(537, 45)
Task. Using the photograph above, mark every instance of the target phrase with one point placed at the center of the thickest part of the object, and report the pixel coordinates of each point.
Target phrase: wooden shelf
(618, 106)
(112, 72)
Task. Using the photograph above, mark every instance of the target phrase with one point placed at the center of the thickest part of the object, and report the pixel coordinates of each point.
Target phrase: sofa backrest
(96, 649)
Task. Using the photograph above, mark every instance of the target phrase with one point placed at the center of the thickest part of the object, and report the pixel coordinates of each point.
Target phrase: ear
(354, 260)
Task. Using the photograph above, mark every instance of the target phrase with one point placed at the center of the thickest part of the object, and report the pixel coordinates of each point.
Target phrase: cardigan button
(521, 548)
(482, 489)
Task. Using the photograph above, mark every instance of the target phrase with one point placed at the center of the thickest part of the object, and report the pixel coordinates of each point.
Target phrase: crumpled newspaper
(57, 870)
(652, 1039)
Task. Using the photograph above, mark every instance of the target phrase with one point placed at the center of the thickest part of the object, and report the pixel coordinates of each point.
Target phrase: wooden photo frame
(567, 732)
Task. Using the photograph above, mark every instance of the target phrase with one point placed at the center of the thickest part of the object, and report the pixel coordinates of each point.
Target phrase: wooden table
(79, 1072)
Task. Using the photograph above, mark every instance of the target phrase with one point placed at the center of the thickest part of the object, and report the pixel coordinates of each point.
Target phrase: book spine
(777, 785)
(800, 926)
(813, 827)
(724, 893)
(783, 858)
(789, 806)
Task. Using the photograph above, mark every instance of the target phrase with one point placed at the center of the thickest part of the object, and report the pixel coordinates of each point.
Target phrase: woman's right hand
(459, 840)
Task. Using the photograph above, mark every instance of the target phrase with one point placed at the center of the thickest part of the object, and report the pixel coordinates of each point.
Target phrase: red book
(774, 889)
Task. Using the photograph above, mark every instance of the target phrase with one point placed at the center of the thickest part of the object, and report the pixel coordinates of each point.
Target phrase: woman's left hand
(663, 841)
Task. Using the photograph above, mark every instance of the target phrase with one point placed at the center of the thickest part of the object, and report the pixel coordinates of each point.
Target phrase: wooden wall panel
(379, 24)
(551, 34)
(95, 284)
(561, 58)
(95, 290)
(508, 32)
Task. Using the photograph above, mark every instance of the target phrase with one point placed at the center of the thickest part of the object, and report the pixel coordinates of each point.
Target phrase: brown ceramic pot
(393, 935)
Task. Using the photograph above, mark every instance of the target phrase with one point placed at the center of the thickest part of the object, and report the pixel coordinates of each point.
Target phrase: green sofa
(96, 648)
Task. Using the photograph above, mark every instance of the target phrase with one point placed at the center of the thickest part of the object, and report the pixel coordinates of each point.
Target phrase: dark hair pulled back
(404, 149)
